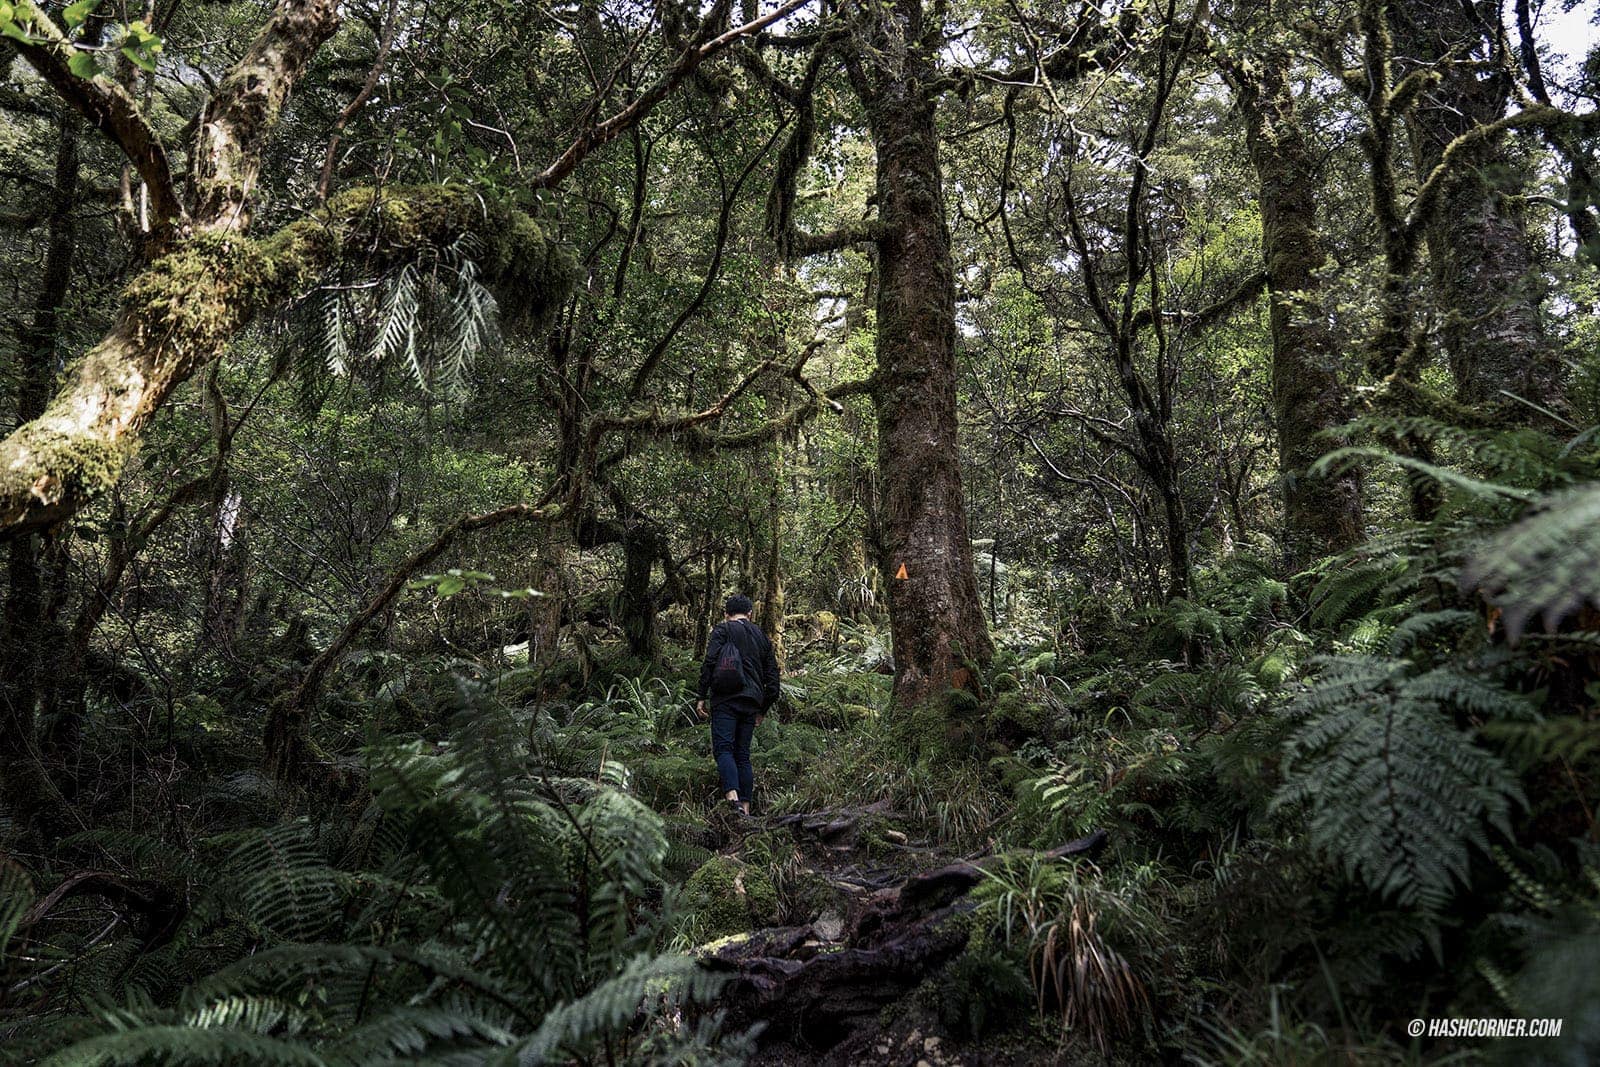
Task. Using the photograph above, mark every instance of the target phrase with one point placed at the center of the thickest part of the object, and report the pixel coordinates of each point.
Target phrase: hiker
(738, 683)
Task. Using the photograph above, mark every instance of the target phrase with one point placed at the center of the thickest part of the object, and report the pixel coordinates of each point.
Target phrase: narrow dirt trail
(837, 987)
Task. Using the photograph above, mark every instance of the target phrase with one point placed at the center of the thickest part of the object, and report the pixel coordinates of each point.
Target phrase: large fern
(1396, 791)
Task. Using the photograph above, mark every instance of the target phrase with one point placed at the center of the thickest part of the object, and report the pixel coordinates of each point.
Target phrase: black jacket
(759, 665)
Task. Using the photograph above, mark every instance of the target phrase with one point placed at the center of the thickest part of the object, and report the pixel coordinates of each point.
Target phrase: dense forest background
(1160, 440)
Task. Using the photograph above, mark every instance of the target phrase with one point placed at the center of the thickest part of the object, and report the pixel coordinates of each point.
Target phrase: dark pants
(731, 728)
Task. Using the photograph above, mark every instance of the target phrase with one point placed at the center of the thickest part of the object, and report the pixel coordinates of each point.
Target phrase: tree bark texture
(1480, 257)
(1309, 398)
(935, 612)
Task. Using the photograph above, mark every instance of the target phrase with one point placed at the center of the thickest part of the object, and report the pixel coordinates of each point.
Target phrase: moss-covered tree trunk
(1479, 253)
(934, 609)
(1309, 397)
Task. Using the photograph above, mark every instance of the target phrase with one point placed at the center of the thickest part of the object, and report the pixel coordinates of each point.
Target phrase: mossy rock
(727, 896)
(664, 777)
(1015, 717)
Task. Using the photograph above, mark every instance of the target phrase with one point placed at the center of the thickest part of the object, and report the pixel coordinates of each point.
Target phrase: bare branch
(688, 61)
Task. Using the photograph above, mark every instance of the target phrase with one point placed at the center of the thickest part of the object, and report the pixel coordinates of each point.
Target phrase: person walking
(738, 683)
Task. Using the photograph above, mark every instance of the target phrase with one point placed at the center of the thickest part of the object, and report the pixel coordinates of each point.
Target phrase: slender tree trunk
(1321, 515)
(934, 609)
(636, 605)
(1179, 565)
(772, 599)
(28, 649)
(1479, 252)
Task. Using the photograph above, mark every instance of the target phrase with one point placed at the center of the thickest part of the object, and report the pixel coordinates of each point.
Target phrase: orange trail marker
(901, 573)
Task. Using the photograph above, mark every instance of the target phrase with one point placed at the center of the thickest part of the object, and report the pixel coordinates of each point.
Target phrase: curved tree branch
(107, 106)
(698, 51)
(181, 312)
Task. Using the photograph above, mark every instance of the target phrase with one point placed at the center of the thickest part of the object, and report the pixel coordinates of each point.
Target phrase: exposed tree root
(806, 988)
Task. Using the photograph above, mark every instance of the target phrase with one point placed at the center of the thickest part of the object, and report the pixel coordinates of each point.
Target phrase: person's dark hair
(738, 604)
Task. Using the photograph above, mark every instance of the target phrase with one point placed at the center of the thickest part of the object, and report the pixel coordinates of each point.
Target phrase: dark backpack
(728, 678)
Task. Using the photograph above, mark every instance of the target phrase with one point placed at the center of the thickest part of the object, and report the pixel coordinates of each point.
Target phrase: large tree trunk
(1321, 515)
(1479, 253)
(934, 609)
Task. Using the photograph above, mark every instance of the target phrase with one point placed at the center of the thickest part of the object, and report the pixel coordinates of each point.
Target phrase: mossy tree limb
(184, 308)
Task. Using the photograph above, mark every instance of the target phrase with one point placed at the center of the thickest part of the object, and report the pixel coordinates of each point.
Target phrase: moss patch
(727, 896)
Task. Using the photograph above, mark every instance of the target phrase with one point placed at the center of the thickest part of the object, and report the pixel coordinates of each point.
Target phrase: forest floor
(843, 908)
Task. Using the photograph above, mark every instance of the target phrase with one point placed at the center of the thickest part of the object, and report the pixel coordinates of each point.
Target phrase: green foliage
(508, 913)
(1090, 942)
(1546, 565)
(985, 991)
(1396, 790)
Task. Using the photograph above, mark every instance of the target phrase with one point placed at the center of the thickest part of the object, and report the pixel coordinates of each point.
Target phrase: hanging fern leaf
(1545, 566)
(397, 323)
(335, 334)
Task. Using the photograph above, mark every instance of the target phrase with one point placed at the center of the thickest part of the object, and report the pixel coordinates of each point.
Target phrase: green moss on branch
(183, 310)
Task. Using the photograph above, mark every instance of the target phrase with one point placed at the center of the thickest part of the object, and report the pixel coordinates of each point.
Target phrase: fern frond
(1414, 628)
(1340, 458)
(397, 323)
(1545, 566)
(174, 1044)
(335, 334)
(280, 880)
(404, 1033)
(1394, 791)
(570, 1028)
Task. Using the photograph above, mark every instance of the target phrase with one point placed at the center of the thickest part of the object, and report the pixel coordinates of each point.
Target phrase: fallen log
(160, 908)
(805, 988)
